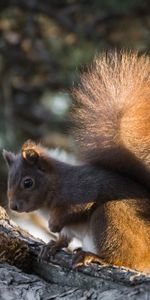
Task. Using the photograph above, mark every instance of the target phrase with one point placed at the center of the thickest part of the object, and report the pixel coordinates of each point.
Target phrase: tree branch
(19, 249)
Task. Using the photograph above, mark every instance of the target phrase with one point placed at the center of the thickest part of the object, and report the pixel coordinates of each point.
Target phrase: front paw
(52, 248)
(82, 258)
(47, 251)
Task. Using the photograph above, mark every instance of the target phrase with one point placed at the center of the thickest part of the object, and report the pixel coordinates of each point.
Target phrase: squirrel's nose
(13, 206)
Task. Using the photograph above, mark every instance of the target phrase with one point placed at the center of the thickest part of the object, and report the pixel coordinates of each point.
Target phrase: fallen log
(23, 277)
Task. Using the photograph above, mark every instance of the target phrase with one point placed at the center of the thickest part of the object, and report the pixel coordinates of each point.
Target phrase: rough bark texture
(23, 277)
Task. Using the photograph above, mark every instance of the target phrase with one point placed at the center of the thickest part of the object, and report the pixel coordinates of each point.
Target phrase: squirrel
(105, 200)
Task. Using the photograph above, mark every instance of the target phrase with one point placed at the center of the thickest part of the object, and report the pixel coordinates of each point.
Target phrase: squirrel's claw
(83, 258)
(52, 248)
(47, 251)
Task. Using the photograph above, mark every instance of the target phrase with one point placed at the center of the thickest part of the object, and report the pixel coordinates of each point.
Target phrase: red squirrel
(105, 201)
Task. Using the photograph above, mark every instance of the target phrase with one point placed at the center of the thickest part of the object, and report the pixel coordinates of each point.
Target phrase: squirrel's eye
(28, 183)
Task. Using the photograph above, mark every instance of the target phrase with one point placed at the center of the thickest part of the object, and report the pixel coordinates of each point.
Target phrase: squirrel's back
(112, 114)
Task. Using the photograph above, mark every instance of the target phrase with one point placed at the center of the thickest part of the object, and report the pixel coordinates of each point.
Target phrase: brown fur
(113, 114)
(122, 233)
(113, 118)
(66, 214)
(120, 230)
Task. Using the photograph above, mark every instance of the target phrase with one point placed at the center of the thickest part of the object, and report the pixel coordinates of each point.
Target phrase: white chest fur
(83, 236)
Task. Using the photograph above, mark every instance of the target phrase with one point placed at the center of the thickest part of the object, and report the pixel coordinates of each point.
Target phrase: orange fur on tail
(113, 114)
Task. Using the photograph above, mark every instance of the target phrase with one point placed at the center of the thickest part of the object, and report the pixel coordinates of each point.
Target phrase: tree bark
(23, 277)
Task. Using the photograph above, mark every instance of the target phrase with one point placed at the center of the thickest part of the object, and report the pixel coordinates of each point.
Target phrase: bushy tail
(112, 113)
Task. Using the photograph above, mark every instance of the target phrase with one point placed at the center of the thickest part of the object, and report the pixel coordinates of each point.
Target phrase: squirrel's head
(31, 178)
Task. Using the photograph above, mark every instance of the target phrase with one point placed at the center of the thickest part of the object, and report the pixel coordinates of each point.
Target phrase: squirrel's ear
(29, 154)
(34, 154)
(9, 157)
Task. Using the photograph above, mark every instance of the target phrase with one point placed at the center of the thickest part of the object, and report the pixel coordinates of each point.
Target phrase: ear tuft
(9, 157)
(29, 152)
(28, 145)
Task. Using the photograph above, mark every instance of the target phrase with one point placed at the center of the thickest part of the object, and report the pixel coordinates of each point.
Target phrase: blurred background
(43, 46)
